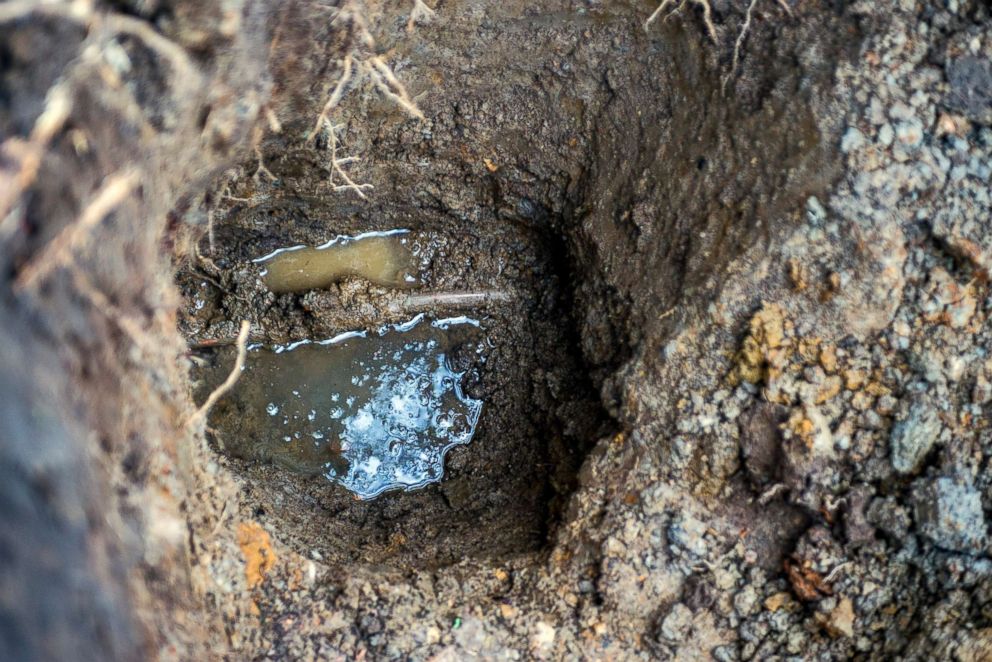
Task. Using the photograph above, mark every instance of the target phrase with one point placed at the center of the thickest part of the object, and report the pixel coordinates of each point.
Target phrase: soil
(737, 391)
(503, 492)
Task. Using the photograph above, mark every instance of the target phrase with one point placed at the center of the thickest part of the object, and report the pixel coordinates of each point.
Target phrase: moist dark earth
(502, 493)
(737, 391)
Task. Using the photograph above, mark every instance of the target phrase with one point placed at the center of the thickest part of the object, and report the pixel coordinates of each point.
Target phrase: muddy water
(382, 258)
(372, 412)
(540, 411)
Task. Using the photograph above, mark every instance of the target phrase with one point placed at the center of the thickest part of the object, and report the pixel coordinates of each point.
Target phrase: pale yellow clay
(382, 259)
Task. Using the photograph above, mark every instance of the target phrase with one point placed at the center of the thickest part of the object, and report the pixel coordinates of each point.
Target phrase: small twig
(59, 251)
(409, 304)
(421, 12)
(201, 413)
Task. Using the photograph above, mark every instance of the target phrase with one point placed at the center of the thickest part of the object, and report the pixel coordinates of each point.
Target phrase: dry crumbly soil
(749, 335)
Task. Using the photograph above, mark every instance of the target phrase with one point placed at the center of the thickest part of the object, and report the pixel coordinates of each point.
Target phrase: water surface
(382, 258)
(372, 412)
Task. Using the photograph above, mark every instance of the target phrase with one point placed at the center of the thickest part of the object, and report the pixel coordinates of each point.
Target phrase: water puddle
(382, 258)
(372, 412)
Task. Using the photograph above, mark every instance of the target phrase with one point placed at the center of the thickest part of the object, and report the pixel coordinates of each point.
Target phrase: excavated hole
(501, 493)
(671, 181)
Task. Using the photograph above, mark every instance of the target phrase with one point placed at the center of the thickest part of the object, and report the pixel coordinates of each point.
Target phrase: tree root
(60, 251)
(675, 8)
(242, 343)
(421, 13)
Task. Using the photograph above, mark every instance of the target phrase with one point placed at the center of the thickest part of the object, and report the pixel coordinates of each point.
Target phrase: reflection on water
(372, 412)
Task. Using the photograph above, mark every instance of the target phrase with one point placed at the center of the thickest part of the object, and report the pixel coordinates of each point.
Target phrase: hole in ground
(669, 182)
(503, 492)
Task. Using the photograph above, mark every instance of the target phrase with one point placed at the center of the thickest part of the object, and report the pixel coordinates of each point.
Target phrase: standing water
(372, 412)
(382, 258)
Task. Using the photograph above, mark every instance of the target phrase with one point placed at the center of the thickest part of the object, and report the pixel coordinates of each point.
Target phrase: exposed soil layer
(589, 206)
(738, 394)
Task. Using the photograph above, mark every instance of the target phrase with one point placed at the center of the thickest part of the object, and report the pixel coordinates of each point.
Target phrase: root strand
(200, 414)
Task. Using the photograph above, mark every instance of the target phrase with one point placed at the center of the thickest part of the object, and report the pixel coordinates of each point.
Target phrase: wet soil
(598, 214)
(715, 291)
(609, 186)
(503, 492)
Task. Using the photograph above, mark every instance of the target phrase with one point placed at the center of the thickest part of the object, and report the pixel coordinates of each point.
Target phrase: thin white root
(657, 12)
(708, 18)
(261, 169)
(421, 13)
(363, 59)
(771, 493)
(419, 302)
(275, 126)
(390, 85)
(742, 36)
(702, 4)
(351, 12)
(371, 64)
(58, 105)
(200, 414)
(336, 163)
(324, 118)
(59, 252)
(739, 43)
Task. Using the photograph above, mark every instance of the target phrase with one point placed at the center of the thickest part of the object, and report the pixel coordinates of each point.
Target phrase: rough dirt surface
(777, 277)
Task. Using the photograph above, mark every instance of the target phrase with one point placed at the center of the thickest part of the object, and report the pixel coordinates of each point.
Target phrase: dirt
(541, 413)
(737, 386)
